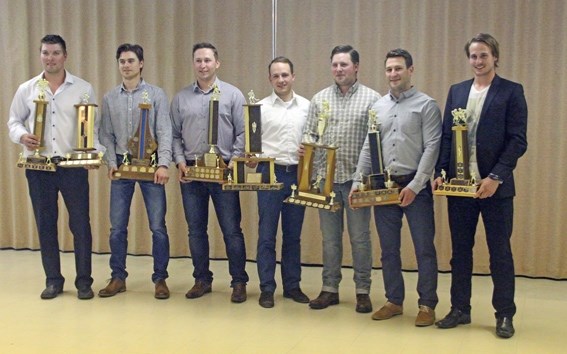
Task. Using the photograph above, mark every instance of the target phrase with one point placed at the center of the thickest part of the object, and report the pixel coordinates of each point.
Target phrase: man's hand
(301, 150)
(487, 188)
(406, 197)
(161, 176)
(30, 141)
(182, 168)
(350, 198)
(111, 171)
(436, 183)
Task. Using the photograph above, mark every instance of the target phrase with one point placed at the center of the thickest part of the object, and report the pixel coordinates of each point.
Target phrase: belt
(57, 159)
(286, 168)
(402, 179)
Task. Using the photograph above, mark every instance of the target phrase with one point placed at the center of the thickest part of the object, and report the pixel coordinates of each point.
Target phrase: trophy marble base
(82, 159)
(49, 167)
(375, 197)
(241, 178)
(314, 200)
(244, 187)
(206, 174)
(457, 188)
(138, 172)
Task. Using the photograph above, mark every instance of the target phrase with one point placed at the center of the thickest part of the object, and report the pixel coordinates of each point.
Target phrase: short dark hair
(54, 39)
(399, 52)
(487, 39)
(354, 56)
(281, 59)
(206, 45)
(134, 48)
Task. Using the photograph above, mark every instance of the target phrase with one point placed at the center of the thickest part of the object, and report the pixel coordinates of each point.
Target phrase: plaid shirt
(346, 127)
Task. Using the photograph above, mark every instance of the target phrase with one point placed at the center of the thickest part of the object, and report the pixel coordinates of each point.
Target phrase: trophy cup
(85, 137)
(143, 163)
(37, 161)
(465, 184)
(377, 188)
(309, 193)
(242, 177)
(211, 168)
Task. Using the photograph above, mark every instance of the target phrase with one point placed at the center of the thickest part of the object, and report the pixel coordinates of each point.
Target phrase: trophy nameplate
(141, 164)
(308, 192)
(211, 167)
(377, 188)
(465, 183)
(242, 177)
(86, 115)
(37, 161)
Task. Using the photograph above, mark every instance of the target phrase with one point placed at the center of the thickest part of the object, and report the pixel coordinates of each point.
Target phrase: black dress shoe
(363, 303)
(324, 300)
(238, 293)
(51, 292)
(85, 294)
(453, 319)
(504, 327)
(297, 295)
(266, 299)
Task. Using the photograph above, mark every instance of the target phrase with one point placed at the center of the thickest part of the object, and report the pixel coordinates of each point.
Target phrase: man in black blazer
(497, 122)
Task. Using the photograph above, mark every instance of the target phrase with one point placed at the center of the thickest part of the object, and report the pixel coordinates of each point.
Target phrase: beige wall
(531, 35)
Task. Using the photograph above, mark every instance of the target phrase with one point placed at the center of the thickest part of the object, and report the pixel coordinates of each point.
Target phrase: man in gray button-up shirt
(120, 122)
(190, 118)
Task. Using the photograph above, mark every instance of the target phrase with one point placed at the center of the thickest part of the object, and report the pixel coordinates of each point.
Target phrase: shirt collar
(404, 95)
(196, 87)
(141, 84)
(275, 98)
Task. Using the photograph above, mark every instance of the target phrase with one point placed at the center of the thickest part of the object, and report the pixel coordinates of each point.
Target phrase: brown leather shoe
(115, 286)
(297, 295)
(388, 311)
(199, 289)
(266, 299)
(363, 303)
(425, 316)
(238, 293)
(162, 291)
(324, 300)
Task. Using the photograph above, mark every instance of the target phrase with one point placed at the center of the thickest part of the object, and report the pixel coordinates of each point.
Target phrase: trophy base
(457, 189)
(314, 201)
(243, 187)
(30, 164)
(82, 159)
(375, 197)
(206, 174)
(137, 172)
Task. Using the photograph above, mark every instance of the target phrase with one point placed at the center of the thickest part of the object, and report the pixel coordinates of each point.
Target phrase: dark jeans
(421, 221)
(121, 192)
(44, 188)
(497, 216)
(195, 197)
(270, 206)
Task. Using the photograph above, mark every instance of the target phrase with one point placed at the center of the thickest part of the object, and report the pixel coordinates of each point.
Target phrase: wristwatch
(494, 177)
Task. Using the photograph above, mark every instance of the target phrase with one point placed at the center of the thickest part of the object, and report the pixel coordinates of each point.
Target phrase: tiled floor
(135, 322)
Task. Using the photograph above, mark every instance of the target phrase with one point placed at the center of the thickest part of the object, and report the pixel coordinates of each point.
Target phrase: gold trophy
(211, 168)
(86, 115)
(309, 193)
(242, 177)
(377, 188)
(465, 184)
(143, 162)
(37, 161)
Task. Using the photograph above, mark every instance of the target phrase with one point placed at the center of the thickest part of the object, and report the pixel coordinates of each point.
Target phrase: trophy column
(142, 163)
(242, 177)
(38, 161)
(308, 192)
(211, 168)
(86, 115)
(377, 188)
(464, 184)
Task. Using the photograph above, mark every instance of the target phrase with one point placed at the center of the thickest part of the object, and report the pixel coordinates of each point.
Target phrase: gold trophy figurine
(465, 182)
(38, 161)
(84, 155)
(377, 188)
(309, 193)
(244, 175)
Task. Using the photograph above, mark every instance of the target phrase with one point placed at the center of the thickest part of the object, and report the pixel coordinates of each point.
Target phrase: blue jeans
(44, 188)
(421, 221)
(498, 219)
(270, 206)
(332, 227)
(195, 197)
(121, 192)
